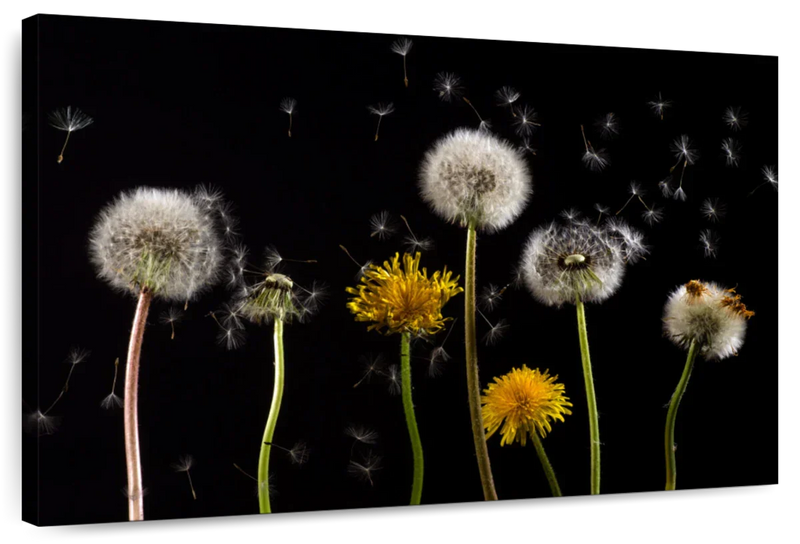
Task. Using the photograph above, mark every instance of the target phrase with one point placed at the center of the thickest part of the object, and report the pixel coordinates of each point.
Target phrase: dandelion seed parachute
(712, 209)
(68, 119)
(448, 86)
(659, 106)
(402, 47)
(731, 149)
(506, 96)
(526, 120)
(735, 117)
(471, 176)
(709, 242)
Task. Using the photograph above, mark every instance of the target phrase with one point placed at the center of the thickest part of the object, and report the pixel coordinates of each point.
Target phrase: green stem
(548, 468)
(272, 420)
(591, 401)
(473, 380)
(672, 415)
(411, 420)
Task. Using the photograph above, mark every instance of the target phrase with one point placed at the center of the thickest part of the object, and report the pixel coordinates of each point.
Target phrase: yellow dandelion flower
(523, 401)
(401, 298)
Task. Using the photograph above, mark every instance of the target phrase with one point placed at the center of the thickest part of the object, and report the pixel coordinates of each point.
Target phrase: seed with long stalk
(595, 160)
(380, 109)
(41, 422)
(298, 454)
(412, 242)
(170, 317)
(289, 106)
(506, 96)
(113, 400)
(402, 47)
(185, 465)
(69, 120)
(770, 175)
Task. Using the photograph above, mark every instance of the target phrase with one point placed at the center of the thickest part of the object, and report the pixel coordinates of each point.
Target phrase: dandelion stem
(548, 468)
(131, 411)
(672, 414)
(64, 147)
(272, 420)
(591, 401)
(473, 380)
(411, 420)
(473, 109)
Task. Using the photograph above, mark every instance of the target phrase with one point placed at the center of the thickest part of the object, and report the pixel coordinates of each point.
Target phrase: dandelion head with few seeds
(472, 177)
(160, 240)
(708, 314)
(448, 86)
(523, 402)
(562, 262)
(270, 298)
(735, 118)
(399, 297)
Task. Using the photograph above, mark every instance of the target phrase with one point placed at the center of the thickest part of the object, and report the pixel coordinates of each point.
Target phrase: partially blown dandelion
(69, 120)
(581, 263)
(704, 319)
(150, 243)
(521, 405)
(402, 299)
(482, 183)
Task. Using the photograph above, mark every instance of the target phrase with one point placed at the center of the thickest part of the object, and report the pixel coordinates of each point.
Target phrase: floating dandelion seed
(712, 209)
(382, 225)
(361, 434)
(608, 125)
(735, 118)
(731, 149)
(679, 194)
(412, 242)
(653, 215)
(571, 215)
(526, 120)
(366, 469)
(682, 148)
(170, 317)
(372, 365)
(700, 317)
(402, 47)
(506, 96)
(393, 379)
(601, 211)
(289, 106)
(362, 268)
(709, 241)
(113, 400)
(665, 186)
(770, 175)
(491, 296)
(595, 160)
(526, 146)
(68, 119)
(297, 454)
(438, 355)
(185, 465)
(380, 109)
(659, 106)
(636, 191)
(448, 86)
(496, 330)
(41, 422)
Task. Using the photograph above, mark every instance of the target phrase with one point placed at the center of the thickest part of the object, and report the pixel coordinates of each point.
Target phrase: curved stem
(591, 401)
(411, 420)
(548, 468)
(473, 380)
(672, 414)
(272, 420)
(133, 461)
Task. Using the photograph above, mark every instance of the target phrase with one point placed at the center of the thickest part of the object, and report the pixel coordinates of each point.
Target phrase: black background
(176, 105)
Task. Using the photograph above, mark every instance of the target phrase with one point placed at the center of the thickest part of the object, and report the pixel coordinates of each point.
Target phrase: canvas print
(274, 270)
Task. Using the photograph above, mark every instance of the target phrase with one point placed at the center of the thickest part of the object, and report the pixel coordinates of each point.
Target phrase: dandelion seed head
(713, 209)
(682, 149)
(560, 262)
(380, 109)
(521, 403)
(271, 298)
(448, 86)
(526, 120)
(402, 46)
(471, 176)
(506, 96)
(111, 401)
(288, 105)
(708, 314)
(709, 241)
(69, 119)
(735, 117)
(162, 240)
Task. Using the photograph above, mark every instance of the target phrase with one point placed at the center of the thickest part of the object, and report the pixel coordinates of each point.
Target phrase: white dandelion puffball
(163, 240)
(708, 314)
(562, 262)
(473, 176)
